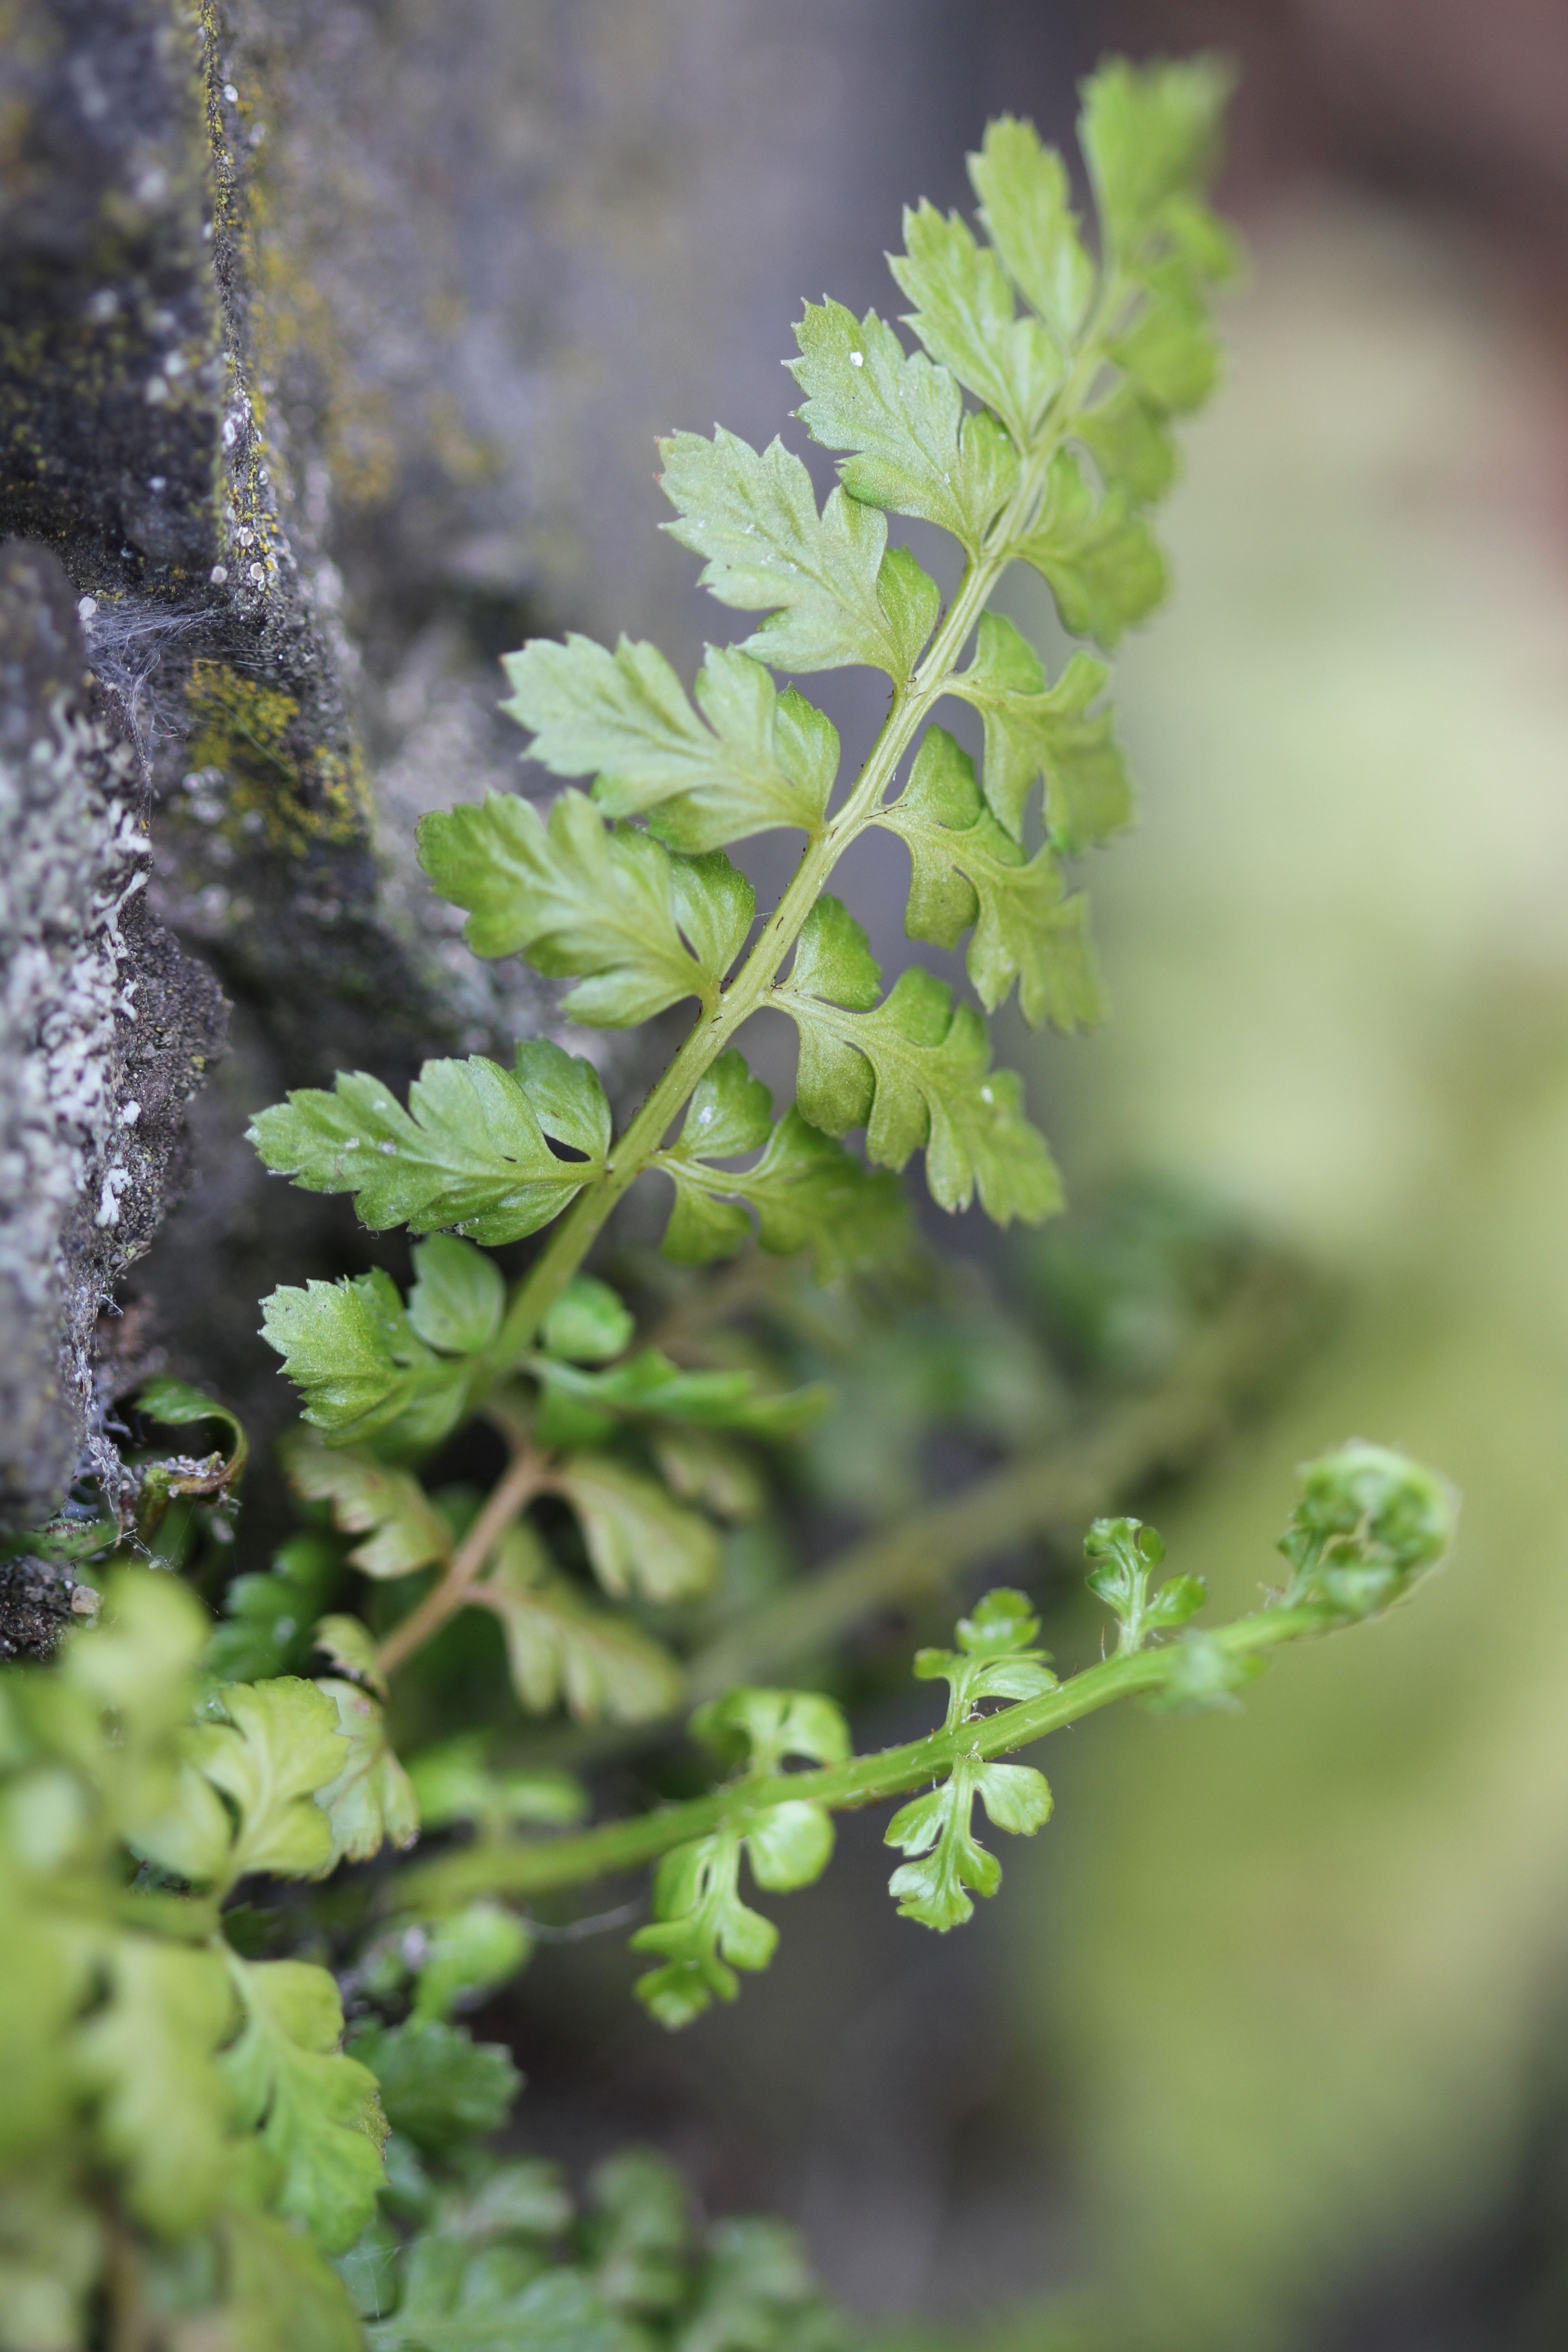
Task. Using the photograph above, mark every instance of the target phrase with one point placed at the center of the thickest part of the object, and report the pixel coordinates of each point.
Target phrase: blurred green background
(1300, 1973)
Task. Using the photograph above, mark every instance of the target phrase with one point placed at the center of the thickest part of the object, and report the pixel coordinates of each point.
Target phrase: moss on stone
(294, 798)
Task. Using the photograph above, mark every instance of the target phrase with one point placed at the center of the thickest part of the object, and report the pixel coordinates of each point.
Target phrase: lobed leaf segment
(1031, 421)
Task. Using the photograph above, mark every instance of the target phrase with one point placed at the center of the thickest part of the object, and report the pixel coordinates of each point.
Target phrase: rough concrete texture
(105, 1028)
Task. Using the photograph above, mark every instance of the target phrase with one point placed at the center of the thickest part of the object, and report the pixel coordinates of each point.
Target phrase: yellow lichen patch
(291, 799)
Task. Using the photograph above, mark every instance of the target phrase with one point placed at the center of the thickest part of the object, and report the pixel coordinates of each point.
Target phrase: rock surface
(106, 1026)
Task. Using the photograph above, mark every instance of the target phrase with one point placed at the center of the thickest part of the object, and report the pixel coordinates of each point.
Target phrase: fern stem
(535, 1866)
(1054, 1492)
(523, 1479)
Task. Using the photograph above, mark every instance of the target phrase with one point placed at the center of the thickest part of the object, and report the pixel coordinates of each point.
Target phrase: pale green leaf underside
(915, 450)
(370, 1499)
(965, 316)
(635, 1532)
(823, 578)
(1024, 205)
(606, 906)
(743, 760)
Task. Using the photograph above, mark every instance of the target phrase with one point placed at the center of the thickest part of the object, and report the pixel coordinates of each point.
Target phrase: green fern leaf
(807, 1190)
(469, 1151)
(1024, 204)
(915, 451)
(608, 907)
(1151, 137)
(936, 1889)
(745, 760)
(759, 1731)
(917, 1074)
(964, 315)
(145, 2057)
(279, 1746)
(635, 1531)
(1131, 452)
(967, 870)
(588, 1323)
(458, 1294)
(362, 1368)
(439, 2088)
(318, 2111)
(1169, 354)
(701, 1931)
(371, 1803)
(1101, 561)
(282, 2296)
(993, 1660)
(1033, 730)
(561, 1648)
(368, 1498)
(819, 577)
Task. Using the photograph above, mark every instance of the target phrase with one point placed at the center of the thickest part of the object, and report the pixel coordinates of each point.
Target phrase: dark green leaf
(967, 870)
(269, 1617)
(438, 2084)
(1033, 730)
(174, 1404)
